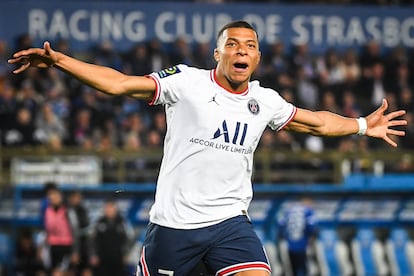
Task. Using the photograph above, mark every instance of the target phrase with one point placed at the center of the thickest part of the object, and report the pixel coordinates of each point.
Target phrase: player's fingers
(397, 123)
(395, 114)
(47, 47)
(389, 141)
(396, 132)
(383, 106)
(28, 52)
(13, 60)
(18, 54)
(21, 68)
(23, 53)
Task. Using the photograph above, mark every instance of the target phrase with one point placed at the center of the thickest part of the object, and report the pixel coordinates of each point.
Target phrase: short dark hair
(49, 186)
(237, 24)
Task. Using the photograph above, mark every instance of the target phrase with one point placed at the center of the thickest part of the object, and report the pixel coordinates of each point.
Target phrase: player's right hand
(34, 57)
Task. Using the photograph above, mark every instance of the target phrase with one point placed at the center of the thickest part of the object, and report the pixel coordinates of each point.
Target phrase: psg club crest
(253, 106)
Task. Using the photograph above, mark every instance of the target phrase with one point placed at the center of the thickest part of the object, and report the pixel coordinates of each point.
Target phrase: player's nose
(241, 50)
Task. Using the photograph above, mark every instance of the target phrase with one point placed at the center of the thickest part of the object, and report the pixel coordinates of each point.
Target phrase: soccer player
(298, 226)
(215, 119)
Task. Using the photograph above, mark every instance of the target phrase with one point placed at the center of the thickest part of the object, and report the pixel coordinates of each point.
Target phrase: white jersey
(205, 175)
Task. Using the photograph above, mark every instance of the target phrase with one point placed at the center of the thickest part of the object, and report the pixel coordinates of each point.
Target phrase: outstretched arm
(324, 123)
(101, 78)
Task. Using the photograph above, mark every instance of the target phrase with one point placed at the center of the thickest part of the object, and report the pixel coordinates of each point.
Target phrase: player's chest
(215, 105)
(234, 118)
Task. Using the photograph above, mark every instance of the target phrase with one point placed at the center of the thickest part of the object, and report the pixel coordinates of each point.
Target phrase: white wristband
(362, 124)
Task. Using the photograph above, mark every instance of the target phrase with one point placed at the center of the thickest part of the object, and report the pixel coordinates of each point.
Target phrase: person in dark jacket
(27, 260)
(110, 243)
(79, 216)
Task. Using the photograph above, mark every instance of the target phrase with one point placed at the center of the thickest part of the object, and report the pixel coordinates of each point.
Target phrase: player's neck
(227, 84)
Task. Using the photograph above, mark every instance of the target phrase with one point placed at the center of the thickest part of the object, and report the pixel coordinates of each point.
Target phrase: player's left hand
(34, 57)
(379, 124)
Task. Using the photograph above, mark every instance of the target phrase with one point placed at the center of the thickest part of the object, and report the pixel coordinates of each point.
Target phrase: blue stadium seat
(332, 254)
(368, 254)
(400, 252)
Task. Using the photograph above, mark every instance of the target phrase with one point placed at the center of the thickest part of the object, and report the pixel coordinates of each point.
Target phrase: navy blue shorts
(226, 248)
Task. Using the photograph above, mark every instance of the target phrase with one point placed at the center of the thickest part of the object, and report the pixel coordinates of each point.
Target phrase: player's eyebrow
(239, 41)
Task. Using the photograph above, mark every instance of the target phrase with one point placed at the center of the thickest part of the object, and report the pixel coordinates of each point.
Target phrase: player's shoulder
(182, 70)
(256, 88)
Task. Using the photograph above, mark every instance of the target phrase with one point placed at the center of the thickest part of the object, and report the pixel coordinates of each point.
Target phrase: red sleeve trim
(157, 89)
(292, 115)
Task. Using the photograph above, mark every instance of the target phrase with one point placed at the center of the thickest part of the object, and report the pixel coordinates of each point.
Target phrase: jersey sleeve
(170, 84)
(284, 113)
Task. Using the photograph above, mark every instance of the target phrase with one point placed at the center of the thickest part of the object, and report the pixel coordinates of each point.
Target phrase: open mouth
(239, 66)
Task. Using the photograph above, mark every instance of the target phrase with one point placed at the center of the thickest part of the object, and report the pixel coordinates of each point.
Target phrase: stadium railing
(271, 166)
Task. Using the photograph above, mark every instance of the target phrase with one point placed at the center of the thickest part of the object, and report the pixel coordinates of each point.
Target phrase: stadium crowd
(46, 107)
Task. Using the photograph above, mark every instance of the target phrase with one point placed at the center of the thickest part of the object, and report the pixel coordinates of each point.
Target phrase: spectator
(302, 58)
(276, 68)
(401, 80)
(298, 226)
(47, 188)
(350, 106)
(275, 61)
(133, 126)
(408, 141)
(22, 133)
(307, 91)
(181, 52)
(8, 108)
(48, 125)
(28, 261)
(59, 235)
(4, 53)
(154, 139)
(82, 129)
(158, 58)
(394, 61)
(80, 217)
(371, 54)
(159, 123)
(202, 56)
(330, 71)
(27, 97)
(350, 68)
(297, 73)
(138, 60)
(104, 54)
(59, 103)
(329, 102)
(406, 99)
(111, 240)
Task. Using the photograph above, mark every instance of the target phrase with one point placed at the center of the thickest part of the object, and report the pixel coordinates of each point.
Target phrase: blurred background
(344, 56)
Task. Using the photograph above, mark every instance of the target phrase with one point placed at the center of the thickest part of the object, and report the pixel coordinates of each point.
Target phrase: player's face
(237, 54)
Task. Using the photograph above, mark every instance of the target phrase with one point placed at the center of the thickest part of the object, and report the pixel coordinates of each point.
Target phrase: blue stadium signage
(127, 23)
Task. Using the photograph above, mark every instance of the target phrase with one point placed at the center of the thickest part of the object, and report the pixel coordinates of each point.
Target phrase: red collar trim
(213, 77)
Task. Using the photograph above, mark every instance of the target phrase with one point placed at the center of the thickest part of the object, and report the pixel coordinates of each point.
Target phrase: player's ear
(216, 55)
(258, 59)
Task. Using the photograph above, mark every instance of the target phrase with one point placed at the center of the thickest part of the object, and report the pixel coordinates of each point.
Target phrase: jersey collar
(213, 78)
